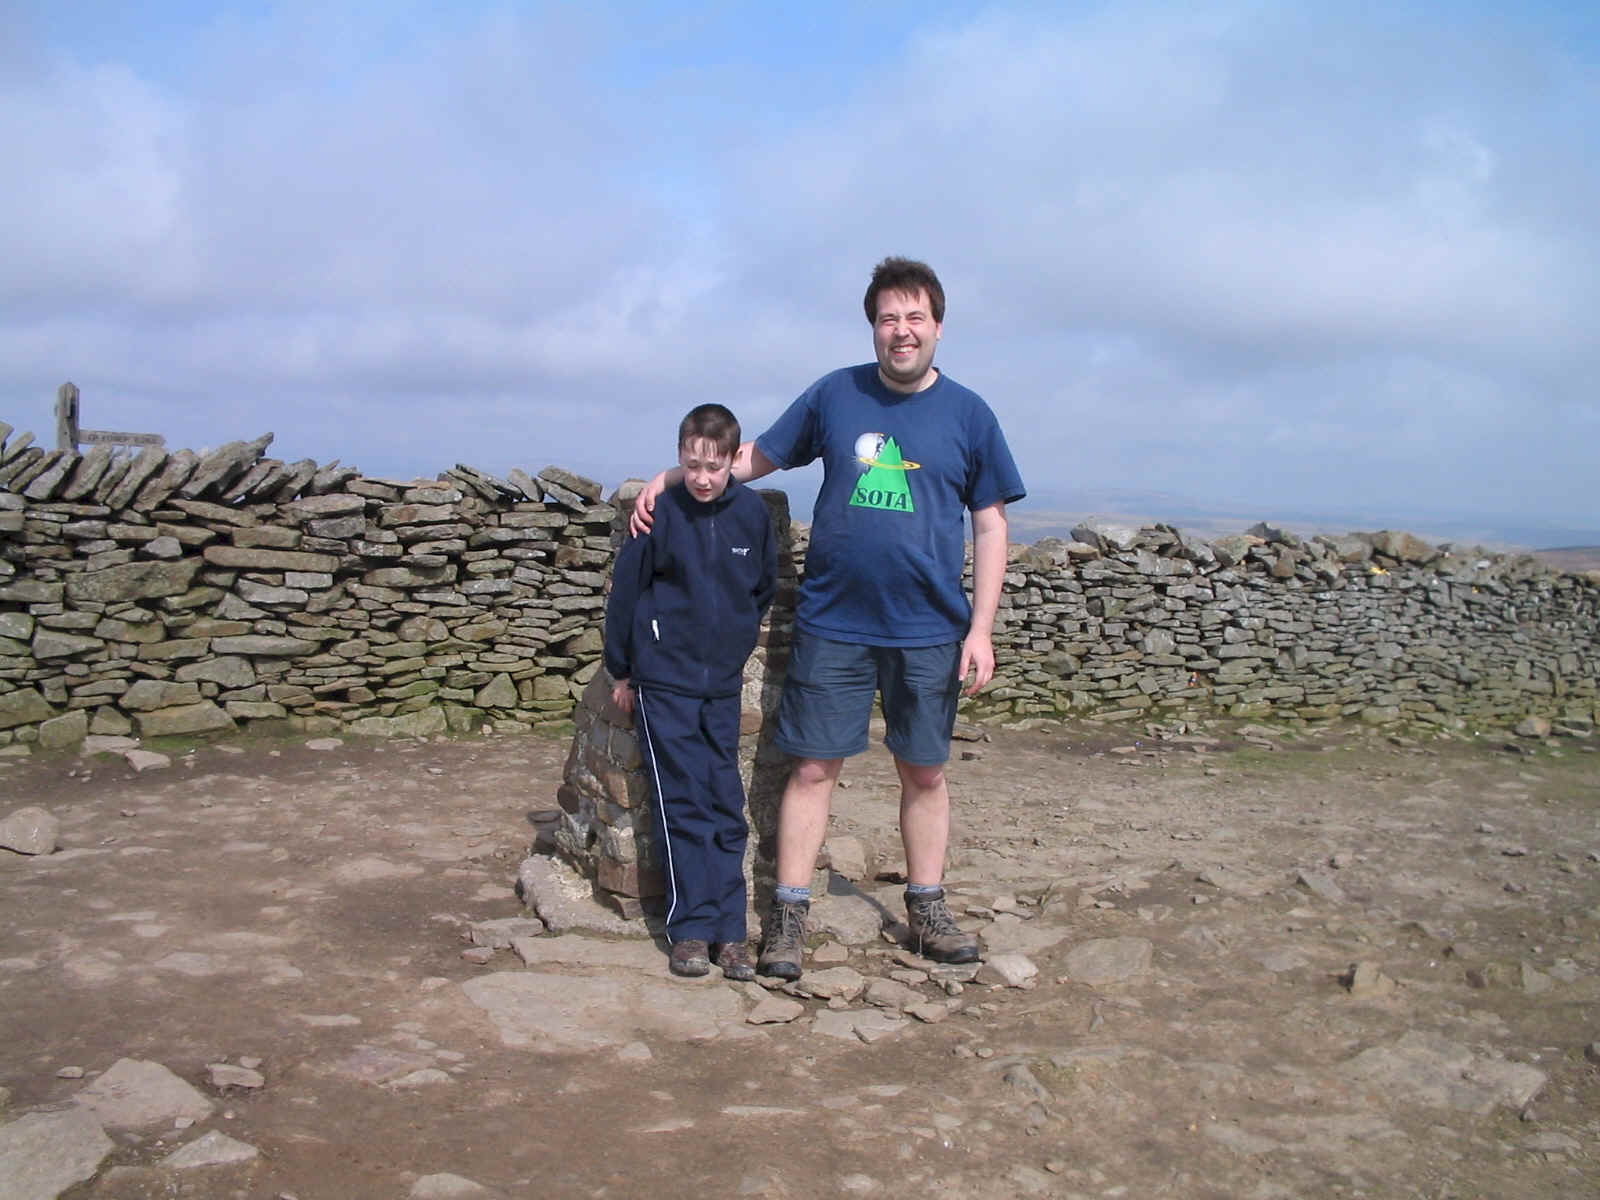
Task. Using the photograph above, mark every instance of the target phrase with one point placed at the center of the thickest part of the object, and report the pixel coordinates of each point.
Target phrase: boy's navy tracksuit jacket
(685, 611)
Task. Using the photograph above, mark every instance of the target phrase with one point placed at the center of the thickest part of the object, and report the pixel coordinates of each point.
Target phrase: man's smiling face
(904, 336)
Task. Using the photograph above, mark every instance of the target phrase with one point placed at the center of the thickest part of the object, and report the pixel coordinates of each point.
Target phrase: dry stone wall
(162, 594)
(1380, 627)
(182, 593)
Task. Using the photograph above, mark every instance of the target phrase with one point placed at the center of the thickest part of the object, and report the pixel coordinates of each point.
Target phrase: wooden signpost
(68, 435)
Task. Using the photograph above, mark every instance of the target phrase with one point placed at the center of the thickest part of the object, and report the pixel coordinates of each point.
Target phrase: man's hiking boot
(735, 961)
(934, 932)
(690, 957)
(783, 944)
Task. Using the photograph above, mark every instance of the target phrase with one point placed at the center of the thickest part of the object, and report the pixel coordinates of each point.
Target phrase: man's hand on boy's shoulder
(644, 505)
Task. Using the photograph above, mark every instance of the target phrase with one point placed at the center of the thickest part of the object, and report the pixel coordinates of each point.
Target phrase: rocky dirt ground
(1225, 963)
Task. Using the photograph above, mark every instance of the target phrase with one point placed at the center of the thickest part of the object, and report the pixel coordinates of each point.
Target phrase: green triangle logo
(885, 484)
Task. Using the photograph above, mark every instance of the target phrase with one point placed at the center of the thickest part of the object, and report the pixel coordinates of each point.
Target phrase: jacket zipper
(716, 594)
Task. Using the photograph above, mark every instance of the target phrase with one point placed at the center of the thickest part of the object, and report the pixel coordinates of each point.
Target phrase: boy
(685, 610)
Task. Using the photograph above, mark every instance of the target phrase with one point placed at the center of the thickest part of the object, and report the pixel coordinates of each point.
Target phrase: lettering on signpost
(108, 437)
(69, 436)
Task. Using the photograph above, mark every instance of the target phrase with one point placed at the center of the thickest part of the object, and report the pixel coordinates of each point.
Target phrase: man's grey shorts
(827, 699)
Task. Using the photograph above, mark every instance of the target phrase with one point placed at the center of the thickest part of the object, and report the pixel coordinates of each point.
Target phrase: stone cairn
(607, 828)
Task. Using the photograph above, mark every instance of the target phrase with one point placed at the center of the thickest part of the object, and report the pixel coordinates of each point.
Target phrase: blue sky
(1294, 261)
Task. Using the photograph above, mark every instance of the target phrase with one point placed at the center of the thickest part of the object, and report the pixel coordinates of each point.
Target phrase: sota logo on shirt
(886, 482)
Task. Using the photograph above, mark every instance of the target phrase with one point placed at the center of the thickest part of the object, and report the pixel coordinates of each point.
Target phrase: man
(906, 452)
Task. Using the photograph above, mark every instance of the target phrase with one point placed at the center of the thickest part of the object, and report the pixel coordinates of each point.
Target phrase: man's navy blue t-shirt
(900, 472)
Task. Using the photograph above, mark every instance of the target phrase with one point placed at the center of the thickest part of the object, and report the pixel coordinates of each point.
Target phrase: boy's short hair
(906, 275)
(715, 424)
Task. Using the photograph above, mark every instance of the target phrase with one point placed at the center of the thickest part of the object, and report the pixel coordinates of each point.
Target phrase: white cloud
(1341, 257)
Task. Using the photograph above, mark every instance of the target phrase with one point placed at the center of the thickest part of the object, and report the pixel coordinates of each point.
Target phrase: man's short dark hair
(715, 424)
(904, 275)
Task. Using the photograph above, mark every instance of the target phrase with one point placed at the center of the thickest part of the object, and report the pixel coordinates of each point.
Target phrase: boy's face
(706, 470)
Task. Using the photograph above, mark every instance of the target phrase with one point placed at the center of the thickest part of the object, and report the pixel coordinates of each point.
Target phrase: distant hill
(1052, 512)
(1571, 558)
(1029, 525)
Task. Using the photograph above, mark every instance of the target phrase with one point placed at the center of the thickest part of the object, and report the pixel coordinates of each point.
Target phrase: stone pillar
(606, 827)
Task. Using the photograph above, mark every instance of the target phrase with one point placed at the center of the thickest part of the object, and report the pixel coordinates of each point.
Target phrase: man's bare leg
(803, 818)
(925, 830)
(802, 824)
(924, 821)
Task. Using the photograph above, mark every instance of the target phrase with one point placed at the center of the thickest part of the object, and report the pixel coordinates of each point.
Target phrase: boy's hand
(622, 695)
(644, 506)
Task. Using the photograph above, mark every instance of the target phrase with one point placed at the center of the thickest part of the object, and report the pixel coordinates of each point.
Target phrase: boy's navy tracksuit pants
(691, 751)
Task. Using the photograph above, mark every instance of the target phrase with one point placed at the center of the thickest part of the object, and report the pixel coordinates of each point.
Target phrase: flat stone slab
(132, 581)
(445, 1186)
(833, 1023)
(1109, 960)
(1436, 1071)
(202, 717)
(856, 918)
(776, 1010)
(194, 963)
(846, 983)
(30, 830)
(213, 1149)
(255, 559)
(891, 993)
(136, 1095)
(558, 1013)
(65, 731)
(146, 760)
(858, 1024)
(1012, 935)
(425, 1077)
(370, 868)
(500, 932)
(1008, 970)
(379, 1064)
(43, 1154)
(1321, 885)
(631, 955)
(227, 1075)
(23, 707)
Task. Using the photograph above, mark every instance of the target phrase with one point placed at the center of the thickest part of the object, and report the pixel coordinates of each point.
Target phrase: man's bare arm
(989, 539)
(749, 464)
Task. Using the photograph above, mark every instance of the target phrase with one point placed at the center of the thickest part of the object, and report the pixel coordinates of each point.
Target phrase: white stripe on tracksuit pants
(691, 744)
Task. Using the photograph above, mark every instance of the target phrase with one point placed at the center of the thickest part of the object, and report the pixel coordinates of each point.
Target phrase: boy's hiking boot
(690, 957)
(784, 942)
(934, 932)
(735, 961)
